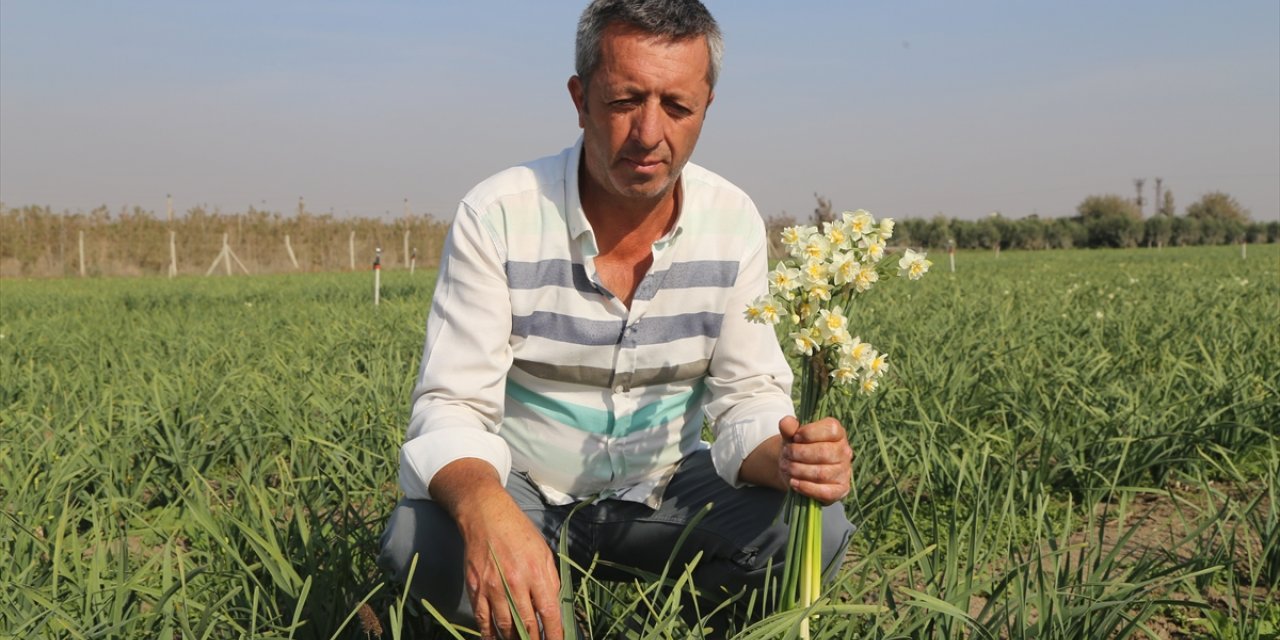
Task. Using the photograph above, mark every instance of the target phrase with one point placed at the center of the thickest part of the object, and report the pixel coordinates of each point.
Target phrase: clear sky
(902, 108)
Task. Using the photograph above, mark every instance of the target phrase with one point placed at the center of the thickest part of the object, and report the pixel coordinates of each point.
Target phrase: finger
(547, 603)
(528, 618)
(819, 453)
(832, 474)
(484, 624)
(549, 613)
(825, 494)
(824, 430)
(788, 427)
(502, 621)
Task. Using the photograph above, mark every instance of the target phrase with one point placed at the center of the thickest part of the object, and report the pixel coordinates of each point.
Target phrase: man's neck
(630, 225)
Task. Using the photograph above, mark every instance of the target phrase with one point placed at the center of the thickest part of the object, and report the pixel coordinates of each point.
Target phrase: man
(588, 318)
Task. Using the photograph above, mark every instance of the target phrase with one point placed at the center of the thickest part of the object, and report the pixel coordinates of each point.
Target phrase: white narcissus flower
(873, 246)
(859, 353)
(836, 234)
(840, 338)
(784, 280)
(820, 291)
(763, 310)
(813, 273)
(913, 265)
(869, 384)
(816, 247)
(844, 375)
(860, 223)
(806, 340)
(886, 228)
(879, 364)
(843, 267)
(793, 238)
(866, 277)
(831, 322)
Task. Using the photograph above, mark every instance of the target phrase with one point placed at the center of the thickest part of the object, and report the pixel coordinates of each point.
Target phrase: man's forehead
(619, 48)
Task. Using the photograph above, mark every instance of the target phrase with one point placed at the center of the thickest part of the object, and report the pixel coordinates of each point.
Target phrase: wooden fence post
(289, 247)
(377, 276)
(173, 254)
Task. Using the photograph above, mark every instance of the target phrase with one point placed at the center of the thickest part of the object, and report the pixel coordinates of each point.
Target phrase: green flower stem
(802, 575)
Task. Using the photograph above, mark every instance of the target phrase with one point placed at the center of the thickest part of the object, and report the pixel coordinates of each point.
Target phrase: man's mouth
(644, 164)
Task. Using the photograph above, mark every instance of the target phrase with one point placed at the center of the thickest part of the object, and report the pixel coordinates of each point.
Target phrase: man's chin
(646, 190)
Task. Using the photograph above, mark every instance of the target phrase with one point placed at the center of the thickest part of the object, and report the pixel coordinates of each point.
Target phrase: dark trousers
(742, 537)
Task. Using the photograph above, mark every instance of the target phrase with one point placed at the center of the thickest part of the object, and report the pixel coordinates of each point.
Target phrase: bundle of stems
(802, 574)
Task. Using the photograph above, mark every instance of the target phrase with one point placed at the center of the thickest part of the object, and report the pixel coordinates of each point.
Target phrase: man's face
(642, 113)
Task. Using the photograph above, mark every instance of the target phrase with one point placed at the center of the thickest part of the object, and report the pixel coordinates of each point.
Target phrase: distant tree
(965, 233)
(1111, 221)
(987, 233)
(1157, 230)
(911, 232)
(1028, 233)
(1212, 230)
(1108, 206)
(1235, 231)
(1113, 231)
(1065, 233)
(940, 232)
(1166, 208)
(824, 212)
(1219, 206)
(1186, 231)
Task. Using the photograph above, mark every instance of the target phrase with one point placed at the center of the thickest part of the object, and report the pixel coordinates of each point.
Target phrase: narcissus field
(1067, 444)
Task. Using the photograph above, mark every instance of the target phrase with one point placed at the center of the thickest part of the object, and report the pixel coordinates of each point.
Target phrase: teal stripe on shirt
(603, 422)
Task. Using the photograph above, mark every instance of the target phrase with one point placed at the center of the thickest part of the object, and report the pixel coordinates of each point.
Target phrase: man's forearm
(760, 467)
(466, 482)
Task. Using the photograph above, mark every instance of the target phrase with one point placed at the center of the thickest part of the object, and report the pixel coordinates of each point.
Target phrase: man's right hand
(497, 534)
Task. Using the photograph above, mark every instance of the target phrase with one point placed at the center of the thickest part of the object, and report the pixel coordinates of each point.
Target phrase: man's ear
(710, 98)
(578, 93)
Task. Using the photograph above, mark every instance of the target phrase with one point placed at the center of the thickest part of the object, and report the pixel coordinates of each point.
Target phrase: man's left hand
(815, 460)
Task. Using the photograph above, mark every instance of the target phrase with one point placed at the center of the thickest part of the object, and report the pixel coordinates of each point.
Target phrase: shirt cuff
(422, 457)
(735, 442)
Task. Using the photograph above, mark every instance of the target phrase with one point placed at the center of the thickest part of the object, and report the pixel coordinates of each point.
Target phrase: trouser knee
(422, 547)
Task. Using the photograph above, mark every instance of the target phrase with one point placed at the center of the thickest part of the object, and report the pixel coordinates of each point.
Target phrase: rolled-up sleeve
(457, 404)
(749, 378)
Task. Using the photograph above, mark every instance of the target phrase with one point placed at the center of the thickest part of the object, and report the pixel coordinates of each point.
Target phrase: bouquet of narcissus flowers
(812, 294)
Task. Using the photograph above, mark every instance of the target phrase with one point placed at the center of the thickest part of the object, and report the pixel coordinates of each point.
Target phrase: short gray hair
(672, 19)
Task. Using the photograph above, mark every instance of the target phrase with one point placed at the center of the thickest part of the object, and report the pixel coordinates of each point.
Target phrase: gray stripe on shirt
(565, 328)
(548, 273)
(688, 275)
(603, 378)
(661, 330)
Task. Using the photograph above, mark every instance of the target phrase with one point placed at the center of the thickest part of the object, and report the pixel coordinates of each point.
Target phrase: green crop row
(1071, 444)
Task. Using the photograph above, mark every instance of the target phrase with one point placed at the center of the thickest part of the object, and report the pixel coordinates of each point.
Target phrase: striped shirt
(530, 363)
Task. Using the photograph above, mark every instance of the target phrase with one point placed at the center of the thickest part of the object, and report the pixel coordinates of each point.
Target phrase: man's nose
(646, 126)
